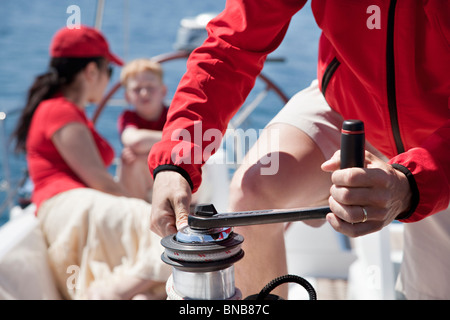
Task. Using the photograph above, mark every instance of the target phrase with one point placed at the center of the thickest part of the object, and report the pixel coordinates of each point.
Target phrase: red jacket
(384, 62)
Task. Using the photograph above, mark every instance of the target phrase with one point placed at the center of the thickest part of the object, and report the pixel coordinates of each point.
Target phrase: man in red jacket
(384, 62)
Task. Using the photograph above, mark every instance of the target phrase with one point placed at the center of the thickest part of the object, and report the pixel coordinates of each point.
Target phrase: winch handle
(352, 155)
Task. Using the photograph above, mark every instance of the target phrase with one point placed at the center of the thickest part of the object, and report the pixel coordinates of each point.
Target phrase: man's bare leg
(298, 182)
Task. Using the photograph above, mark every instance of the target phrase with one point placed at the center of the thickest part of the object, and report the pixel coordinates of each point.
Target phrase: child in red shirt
(142, 126)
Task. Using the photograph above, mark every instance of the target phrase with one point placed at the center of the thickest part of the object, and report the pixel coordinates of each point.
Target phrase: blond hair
(140, 65)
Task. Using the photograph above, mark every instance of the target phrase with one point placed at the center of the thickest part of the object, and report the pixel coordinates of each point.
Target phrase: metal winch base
(214, 285)
(203, 269)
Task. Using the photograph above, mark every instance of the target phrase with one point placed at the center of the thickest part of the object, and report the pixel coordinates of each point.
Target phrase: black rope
(284, 279)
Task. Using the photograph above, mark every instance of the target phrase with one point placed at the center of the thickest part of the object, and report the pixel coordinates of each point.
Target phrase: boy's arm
(140, 140)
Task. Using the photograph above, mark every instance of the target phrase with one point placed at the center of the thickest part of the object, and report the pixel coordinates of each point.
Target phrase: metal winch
(203, 254)
(203, 260)
(202, 257)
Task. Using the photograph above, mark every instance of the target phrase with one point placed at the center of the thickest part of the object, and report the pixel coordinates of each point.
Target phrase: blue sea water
(134, 28)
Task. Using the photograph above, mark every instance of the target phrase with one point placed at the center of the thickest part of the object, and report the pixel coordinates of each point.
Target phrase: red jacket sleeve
(220, 75)
(429, 165)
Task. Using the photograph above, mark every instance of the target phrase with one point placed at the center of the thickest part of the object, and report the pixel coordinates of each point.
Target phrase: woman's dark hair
(62, 72)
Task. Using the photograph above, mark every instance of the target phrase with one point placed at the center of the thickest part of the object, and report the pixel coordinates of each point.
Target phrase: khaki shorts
(308, 111)
(94, 237)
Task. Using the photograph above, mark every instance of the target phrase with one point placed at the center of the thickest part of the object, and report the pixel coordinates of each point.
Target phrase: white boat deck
(363, 268)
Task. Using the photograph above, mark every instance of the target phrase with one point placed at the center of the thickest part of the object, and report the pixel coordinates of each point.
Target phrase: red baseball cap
(83, 42)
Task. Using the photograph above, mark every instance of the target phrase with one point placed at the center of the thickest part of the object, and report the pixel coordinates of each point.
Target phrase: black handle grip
(352, 144)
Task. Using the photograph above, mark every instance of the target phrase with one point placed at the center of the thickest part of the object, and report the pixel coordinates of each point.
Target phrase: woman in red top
(98, 245)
